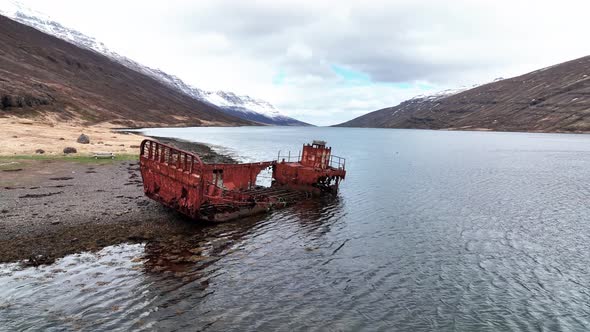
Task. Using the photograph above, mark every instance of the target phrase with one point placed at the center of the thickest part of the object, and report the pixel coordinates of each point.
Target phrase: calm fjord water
(431, 230)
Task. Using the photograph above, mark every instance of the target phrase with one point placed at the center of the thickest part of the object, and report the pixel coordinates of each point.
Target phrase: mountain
(381, 118)
(552, 99)
(249, 108)
(44, 76)
(243, 107)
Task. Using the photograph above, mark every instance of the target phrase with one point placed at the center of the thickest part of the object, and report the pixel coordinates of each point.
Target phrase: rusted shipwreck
(220, 192)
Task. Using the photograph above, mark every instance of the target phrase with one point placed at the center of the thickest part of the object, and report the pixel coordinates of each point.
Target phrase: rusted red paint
(317, 170)
(218, 192)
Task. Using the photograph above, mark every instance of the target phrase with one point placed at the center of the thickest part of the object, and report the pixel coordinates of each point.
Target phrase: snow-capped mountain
(244, 107)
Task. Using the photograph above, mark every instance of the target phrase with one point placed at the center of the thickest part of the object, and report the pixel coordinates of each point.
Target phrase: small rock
(38, 260)
(39, 151)
(62, 139)
(83, 139)
(55, 222)
(70, 149)
(15, 136)
(100, 142)
(134, 146)
(121, 144)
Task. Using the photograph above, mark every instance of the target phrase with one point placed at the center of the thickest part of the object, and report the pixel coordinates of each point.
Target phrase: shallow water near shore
(431, 230)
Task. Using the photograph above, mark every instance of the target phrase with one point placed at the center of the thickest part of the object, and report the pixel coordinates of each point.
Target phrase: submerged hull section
(221, 192)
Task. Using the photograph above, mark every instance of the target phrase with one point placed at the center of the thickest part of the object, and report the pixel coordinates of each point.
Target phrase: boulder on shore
(83, 139)
(39, 151)
(69, 150)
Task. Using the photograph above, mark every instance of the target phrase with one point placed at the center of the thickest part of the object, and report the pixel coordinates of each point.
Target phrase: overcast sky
(328, 62)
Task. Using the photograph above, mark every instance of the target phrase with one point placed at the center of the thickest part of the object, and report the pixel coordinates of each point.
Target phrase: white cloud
(299, 51)
(243, 45)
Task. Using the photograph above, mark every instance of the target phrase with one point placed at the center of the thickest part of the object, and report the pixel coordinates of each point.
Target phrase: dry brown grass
(23, 137)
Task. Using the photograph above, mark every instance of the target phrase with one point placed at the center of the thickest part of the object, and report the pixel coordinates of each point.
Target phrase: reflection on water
(430, 231)
(160, 285)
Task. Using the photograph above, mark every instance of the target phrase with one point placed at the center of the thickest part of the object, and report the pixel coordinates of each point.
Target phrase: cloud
(299, 51)
(330, 61)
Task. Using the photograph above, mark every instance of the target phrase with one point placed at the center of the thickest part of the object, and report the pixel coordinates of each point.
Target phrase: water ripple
(430, 231)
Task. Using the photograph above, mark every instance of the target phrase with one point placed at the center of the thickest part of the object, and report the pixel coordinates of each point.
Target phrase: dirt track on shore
(51, 208)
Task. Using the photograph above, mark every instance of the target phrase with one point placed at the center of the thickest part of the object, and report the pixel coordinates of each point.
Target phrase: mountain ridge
(42, 76)
(244, 107)
(551, 99)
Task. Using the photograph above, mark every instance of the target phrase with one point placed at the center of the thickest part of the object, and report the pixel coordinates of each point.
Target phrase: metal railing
(289, 157)
(337, 162)
(170, 156)
(334, 162)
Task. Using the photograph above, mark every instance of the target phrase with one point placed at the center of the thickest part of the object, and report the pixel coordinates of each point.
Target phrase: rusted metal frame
(222, 190)
(338, 161)
(271, 192)
(263, 198)
(233, 205)
(156, 152)
(151, 150)
(245, 176)
(164, 153)
(257, 197)
(276, 192)
(142, 147)
(287, 196)
(228, 166)
(174, 169)
(287, 158)
(172, 172)
(261, 189)
(248, 192)
(220, 200)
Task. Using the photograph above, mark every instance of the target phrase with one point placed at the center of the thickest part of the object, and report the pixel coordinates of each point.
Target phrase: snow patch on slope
(248, 104)
(442, 94)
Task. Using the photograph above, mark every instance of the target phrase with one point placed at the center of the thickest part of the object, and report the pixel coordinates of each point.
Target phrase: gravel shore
(51, 208)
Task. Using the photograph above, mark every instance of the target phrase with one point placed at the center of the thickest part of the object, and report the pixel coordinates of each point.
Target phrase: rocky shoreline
(51, 208)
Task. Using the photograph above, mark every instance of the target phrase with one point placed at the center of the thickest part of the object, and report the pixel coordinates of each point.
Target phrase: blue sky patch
(279, 78)
(351, 76)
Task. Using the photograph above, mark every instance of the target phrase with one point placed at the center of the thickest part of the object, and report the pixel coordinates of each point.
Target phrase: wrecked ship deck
(220, 192)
